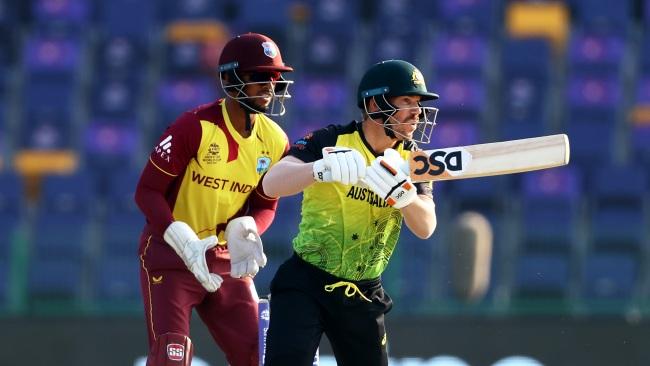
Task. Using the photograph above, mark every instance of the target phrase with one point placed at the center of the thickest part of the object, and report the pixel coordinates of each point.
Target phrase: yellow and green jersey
(348, 231)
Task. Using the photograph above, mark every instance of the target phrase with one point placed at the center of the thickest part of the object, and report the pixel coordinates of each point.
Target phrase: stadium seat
(177, 95)
(464, 97)
(592, 53)
(542, 275)
(71, 15)
(450, 133)
(4, 282)
(117, 279)
(459, 54)
(137, 23)
(481, 15)
(610, 275)
(173, 10)
(54, 279)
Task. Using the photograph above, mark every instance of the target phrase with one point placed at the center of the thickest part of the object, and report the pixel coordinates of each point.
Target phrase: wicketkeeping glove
(191, 249)
(388, 177)
(340, 164)
(245, 247)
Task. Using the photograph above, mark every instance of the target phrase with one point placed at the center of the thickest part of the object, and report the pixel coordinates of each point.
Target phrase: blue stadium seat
(594, 98)
(481, 15)
(122, 57)
(610, 275)
(121, 233)
(416, 257)
(114, 98)
(178, 10)
(117, 279)
(542, 274)
(137, 23)
(600, 13)
(485, 194)
(591, 144)
(54, 278)
(618, 228)
(184, 58)
(326, 54)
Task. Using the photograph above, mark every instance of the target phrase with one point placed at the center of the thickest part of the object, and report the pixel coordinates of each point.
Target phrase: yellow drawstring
(350, 290)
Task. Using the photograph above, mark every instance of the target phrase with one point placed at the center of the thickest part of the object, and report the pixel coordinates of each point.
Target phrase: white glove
(245, 247)
(388, 177)
(191, 249)
(340, 164)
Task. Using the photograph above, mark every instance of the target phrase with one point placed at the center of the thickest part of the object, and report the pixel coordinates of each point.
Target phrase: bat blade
(496, 158)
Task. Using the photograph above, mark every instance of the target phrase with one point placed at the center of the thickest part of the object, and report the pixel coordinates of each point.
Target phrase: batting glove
(388, 177)
(245, 247)
(340, 164)
(191, 249)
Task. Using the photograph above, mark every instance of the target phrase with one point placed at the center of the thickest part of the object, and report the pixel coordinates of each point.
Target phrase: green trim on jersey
(345, 230)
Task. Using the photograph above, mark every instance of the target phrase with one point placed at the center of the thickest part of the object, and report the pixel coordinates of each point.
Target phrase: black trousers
(302, 310)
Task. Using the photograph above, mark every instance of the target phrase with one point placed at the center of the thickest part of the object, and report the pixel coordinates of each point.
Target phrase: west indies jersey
(210, 170)
(348, 231)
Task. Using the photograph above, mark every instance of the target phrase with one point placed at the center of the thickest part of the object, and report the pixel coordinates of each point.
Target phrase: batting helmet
(258, 55)
(394, 78)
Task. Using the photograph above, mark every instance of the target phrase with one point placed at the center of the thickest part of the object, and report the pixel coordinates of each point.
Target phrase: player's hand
(191, 249)
(388, 177)
(340, 164)
(245, 247)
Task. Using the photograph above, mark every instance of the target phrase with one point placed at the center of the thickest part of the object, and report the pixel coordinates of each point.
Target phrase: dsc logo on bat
(452, 161)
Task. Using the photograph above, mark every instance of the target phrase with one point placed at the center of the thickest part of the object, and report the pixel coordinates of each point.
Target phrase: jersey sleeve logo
(164, 148)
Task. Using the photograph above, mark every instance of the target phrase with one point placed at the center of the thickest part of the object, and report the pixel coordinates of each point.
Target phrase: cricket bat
(496, 158)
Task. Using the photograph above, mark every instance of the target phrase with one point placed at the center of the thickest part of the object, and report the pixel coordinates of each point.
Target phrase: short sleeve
(177, 145)
(310, 147)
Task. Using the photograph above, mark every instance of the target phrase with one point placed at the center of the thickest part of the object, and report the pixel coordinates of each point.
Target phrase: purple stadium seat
(620, 185)
(73, 14)
(111, 138)
(52, 56)
(590, 92)
(593, 53)
(450, 133)
(316, 93)
(122, 57)
(460, 54)
(591, 144)
(460, 98)
(183, 58)
(176, 95)
(563, 183)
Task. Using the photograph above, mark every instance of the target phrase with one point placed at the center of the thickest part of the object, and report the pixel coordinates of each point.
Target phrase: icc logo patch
(269, 49)
(263, 164)
(175, 352)
(213, 155)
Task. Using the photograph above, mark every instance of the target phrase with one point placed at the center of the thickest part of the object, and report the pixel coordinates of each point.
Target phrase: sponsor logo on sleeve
(164, 148)
(175, 352)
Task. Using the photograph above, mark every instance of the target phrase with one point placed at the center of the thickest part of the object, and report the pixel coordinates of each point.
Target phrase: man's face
(261, 89)
(405, 121)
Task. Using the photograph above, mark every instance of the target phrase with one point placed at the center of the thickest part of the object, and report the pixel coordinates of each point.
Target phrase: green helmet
(393, 78)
